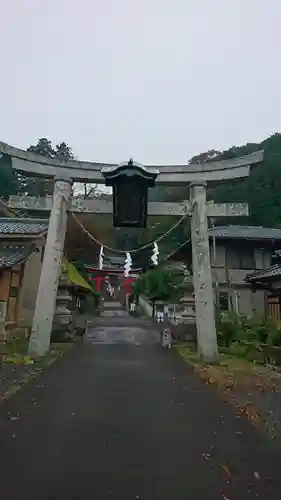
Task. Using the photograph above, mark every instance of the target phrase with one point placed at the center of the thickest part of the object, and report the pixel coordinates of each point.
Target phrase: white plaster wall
(29, 289)
(259, 302)
(245, 301)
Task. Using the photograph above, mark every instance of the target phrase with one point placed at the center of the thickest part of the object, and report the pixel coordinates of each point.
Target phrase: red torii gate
(100, 275)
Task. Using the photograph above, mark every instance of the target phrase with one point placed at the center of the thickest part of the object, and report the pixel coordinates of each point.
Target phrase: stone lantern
(187, 317)
(130, 182)
(63, 328)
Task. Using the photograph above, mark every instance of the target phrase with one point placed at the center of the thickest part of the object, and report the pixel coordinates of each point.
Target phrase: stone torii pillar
(202, 277)
(39, 343)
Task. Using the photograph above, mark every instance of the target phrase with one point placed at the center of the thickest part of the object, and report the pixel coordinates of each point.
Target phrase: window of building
(14, 292)
(247, 259)
(240, 257)
(232, 258)
(223, 301)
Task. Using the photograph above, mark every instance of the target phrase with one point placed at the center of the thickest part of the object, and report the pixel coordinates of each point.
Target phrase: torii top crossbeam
(80, 171)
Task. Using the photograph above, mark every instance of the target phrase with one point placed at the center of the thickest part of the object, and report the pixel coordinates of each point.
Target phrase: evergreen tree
(37, 186)
(261, 190)
(9, 180)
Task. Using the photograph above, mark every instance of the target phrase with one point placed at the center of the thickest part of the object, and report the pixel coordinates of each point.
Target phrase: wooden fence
(274, 308)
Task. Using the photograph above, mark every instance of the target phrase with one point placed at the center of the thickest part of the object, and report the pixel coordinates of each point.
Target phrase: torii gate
(194, 176)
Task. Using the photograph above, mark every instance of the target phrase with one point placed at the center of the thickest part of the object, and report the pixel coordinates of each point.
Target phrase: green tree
(37, 186)
(9, 180)
(160, 284)
(261, 189)
(43, 147)
(205, 157)
(63, 152)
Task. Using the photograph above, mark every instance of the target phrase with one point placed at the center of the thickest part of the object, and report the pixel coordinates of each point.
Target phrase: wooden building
(269, 280)
(237, 252)
(22, 244)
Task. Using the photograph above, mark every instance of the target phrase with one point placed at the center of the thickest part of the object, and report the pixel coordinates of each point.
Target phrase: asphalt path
(122, 418)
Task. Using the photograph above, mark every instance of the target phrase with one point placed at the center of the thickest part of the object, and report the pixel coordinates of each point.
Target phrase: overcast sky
(158, 80)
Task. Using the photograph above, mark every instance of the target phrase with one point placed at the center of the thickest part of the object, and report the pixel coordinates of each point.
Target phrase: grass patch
(220, 373)
(228, 362)
(17, 369)
(15, 345)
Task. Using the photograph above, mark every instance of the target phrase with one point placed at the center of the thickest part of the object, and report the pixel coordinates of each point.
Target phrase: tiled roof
(4, 210)
(12, 254)
(264, 274)
(9, 225)
(246, 232)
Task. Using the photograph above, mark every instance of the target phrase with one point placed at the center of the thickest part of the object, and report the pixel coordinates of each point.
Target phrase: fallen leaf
(224, 497)
(226, 469)
(256, 475)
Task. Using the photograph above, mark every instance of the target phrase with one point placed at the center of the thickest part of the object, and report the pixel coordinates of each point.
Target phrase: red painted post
(98, 280)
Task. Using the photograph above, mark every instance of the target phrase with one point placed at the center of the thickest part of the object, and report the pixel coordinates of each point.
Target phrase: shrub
(160, 284)
(228, 328)
(256, 338)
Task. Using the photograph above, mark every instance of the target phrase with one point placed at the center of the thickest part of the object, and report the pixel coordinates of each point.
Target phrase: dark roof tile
(264, 274)
(11, 226)
(12, 254)
(245, 232)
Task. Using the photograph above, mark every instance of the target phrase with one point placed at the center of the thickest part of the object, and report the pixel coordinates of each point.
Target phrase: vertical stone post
(47, 291)
(202, 278)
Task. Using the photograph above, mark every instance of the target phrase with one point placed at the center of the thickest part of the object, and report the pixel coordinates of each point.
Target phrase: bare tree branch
(85, 191)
